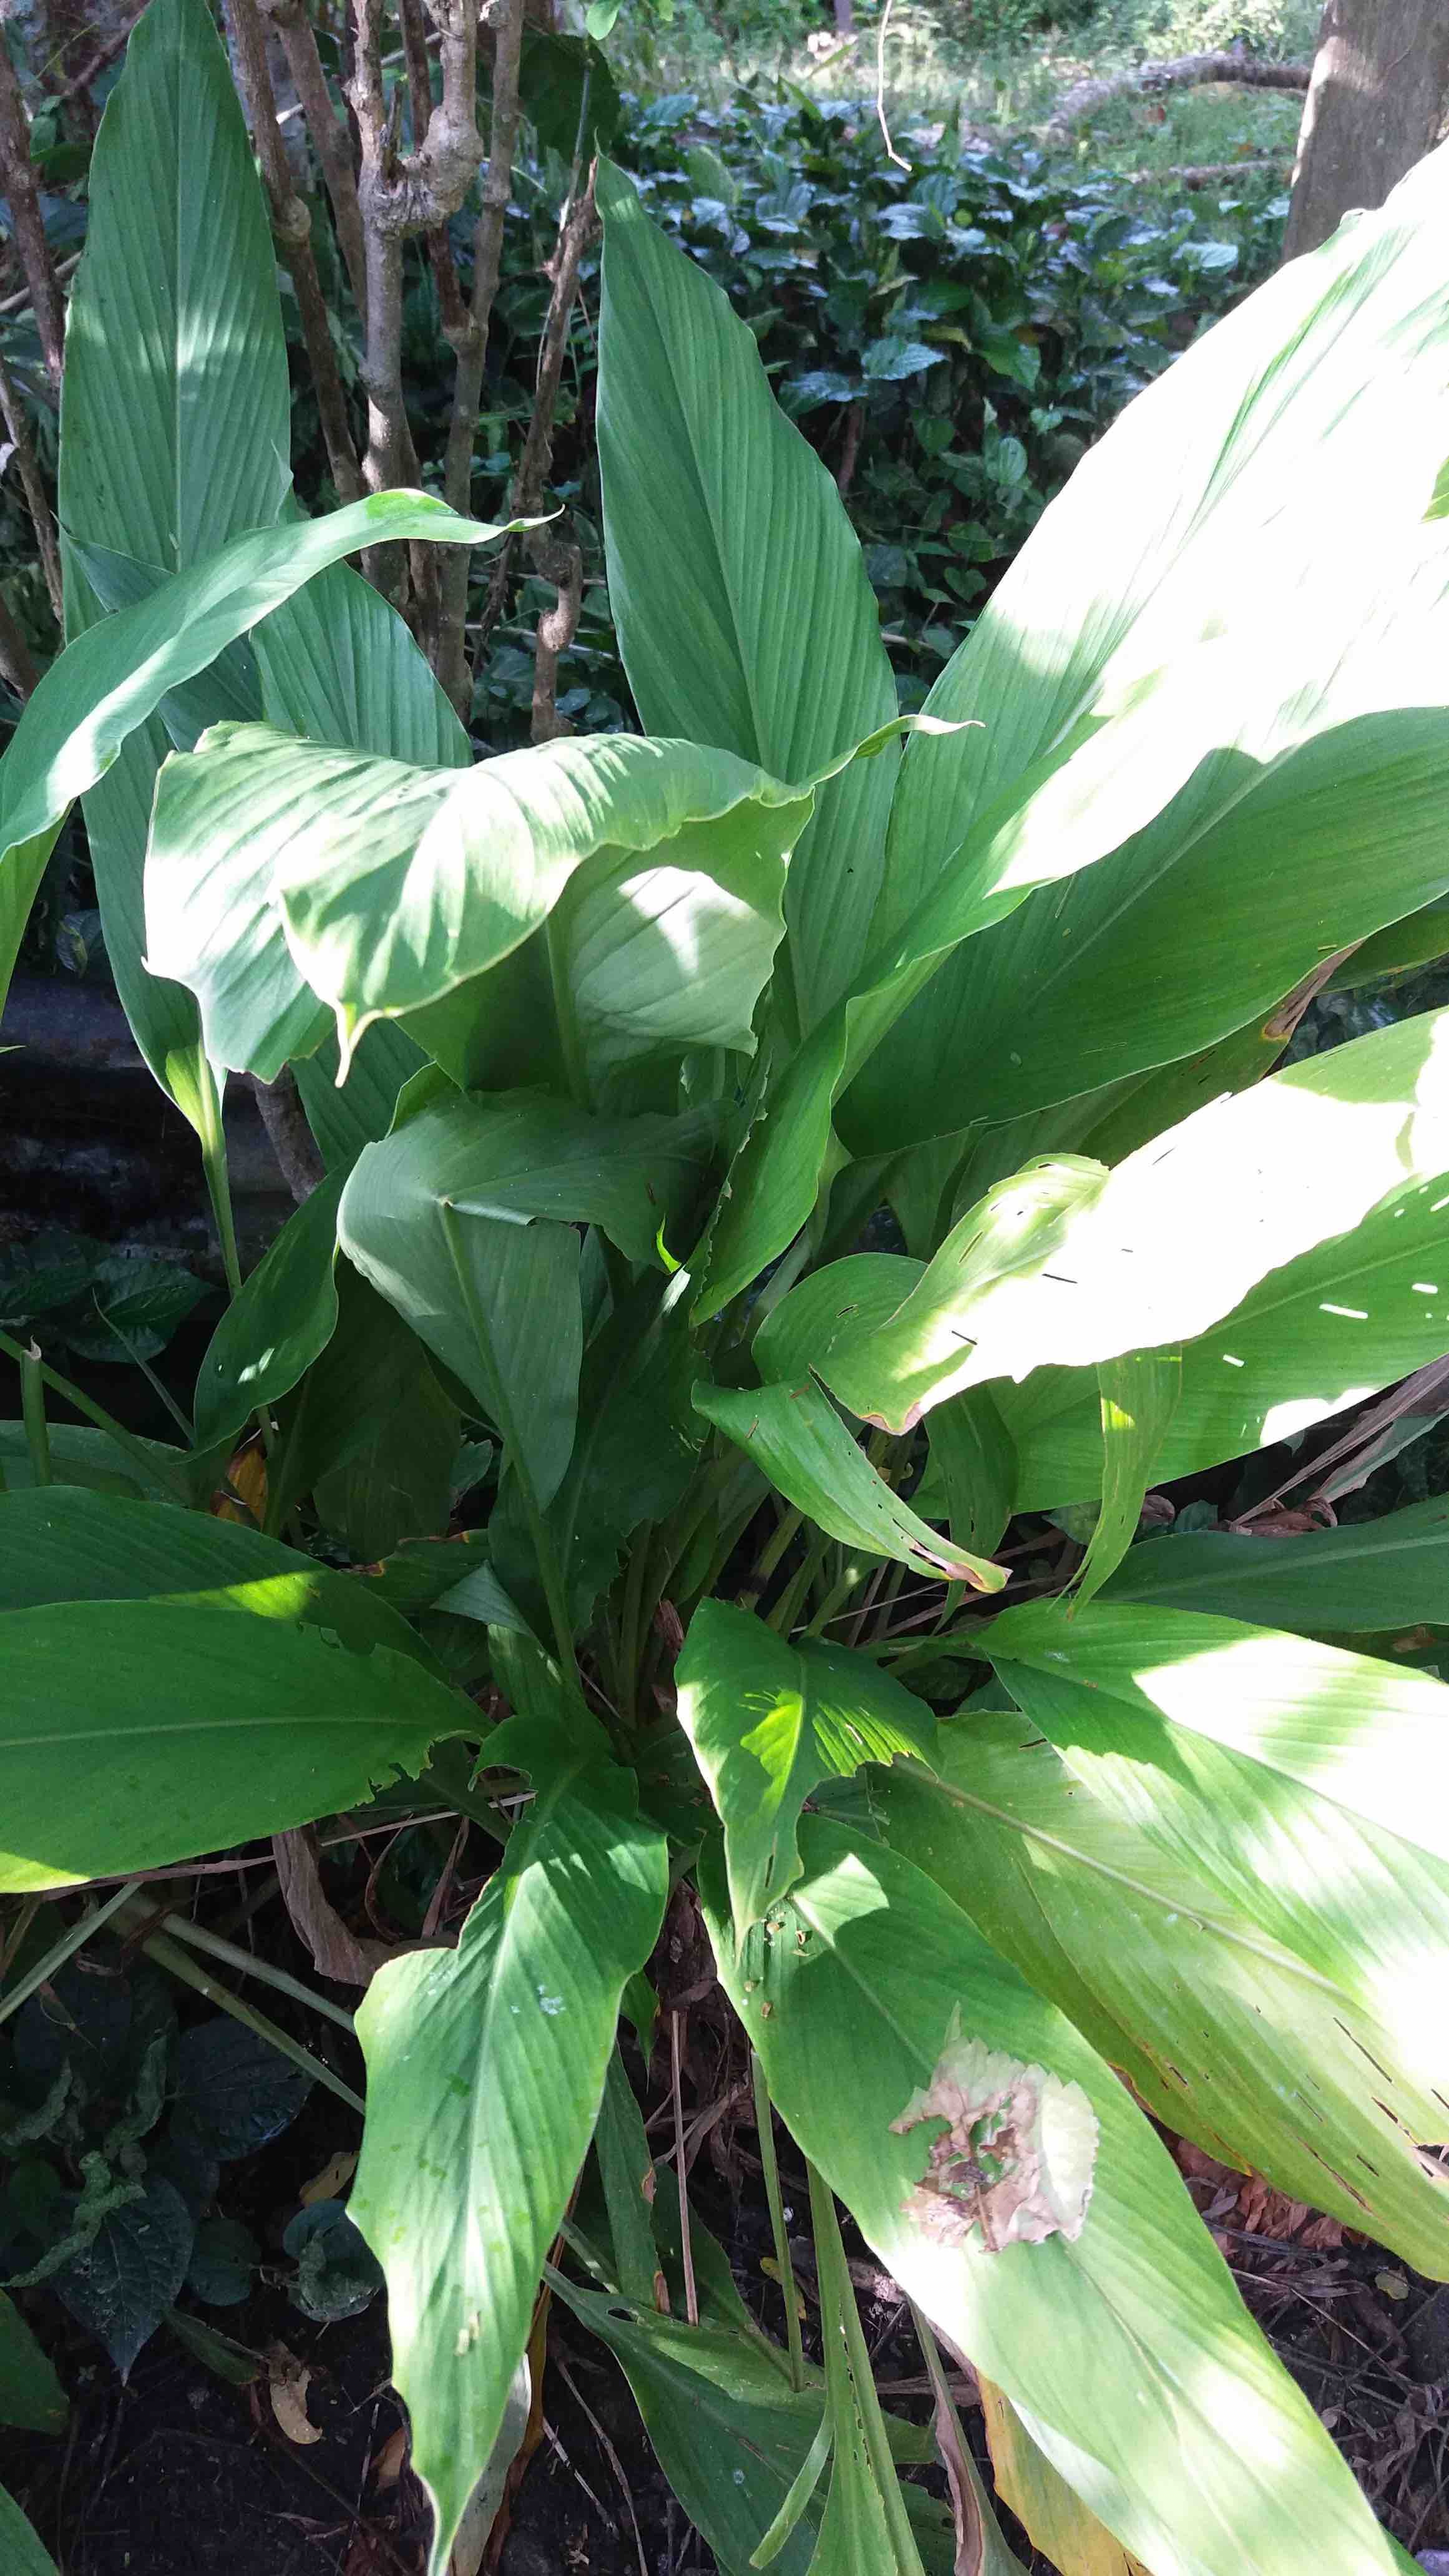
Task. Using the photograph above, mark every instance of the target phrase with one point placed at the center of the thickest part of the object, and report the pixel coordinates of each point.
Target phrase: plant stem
(292, 225)
(154, 1465)
(451, 657)
(218, 1187)
(550, 1572)
(179, 1963)
(765, 2127)
(840, 2319)
(27, 223)
(32, 1408)
(63, 1949)
(248, 1965)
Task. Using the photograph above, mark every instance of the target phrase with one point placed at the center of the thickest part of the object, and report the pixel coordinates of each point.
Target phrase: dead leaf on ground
(333, 2179)
(391, 2460)
(1017, 2156)
(1245, 2200)
(288, 2381)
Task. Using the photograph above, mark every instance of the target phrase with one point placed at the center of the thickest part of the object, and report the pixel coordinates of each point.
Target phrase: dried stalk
(13, 407)
(564, 566)
(28, 221)
(452, 311)
(451, 656)
(328, 134)
(16, 665)
(577, 226)
(292, 225)
(288, 1133)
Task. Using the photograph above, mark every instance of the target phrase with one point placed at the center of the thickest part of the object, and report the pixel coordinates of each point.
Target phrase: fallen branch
(1149, 80)
(292, 225)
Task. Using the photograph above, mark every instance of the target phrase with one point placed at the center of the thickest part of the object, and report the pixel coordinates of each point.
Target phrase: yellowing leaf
(1053, 2518)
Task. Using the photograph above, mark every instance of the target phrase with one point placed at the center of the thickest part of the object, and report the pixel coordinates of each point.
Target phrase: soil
(178, 2473)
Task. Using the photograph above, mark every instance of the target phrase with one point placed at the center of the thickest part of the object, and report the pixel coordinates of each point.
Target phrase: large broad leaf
(339, 666)
(794, 1432)
(176, 423)
(769, 1720)
(276, 1327)
(1237, 2022)
(509, 2038)
(135, 1733)
(639, 1437)
(24, 2554)
(175, 420)
(1138, 1398)
(1109, 2317)
(765, 637)
(464, 1220)
(1319, 402)
(113, 677)
(1340, 776)
(60, 1544)
(1100, 698)
(280, 871)
(31, 2395)
(1327, 1173)
(1387, 1573)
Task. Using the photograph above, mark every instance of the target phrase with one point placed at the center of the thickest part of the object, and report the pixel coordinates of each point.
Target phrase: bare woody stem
(27, 219)
(292, 224)
(451, 658)
(329, 136)
(452, 311)
(15, 663)
(577, 227)
(18, 428)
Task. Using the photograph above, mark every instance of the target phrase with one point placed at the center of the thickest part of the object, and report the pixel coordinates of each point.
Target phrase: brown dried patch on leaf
(1016, 2156)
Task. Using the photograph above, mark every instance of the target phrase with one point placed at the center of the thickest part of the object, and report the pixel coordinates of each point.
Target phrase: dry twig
(27, 221)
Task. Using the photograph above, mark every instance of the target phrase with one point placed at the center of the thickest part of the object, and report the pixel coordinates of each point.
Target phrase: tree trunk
(1375, 106)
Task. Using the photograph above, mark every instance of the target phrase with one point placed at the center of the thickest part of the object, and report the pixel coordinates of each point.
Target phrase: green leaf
(464, 1220)
(971, 1450)
(233, 2091)
(810, 1456)
(339, 666)
(1301, 1783)
(888, 1362)
(344, 1116)
(1239, 2024)
(766, 637)
(639, 1437)
(730, 2432)
(509, 2037)
(121, 2284)
(1124, 2344)
(31, 2395)
(110, 679)
(769, 1720)
(1138, 1398)
(175, 422)
(81, 1456)
(1388, 1573)
(175, 431)
(59, 1544)
(381, 886)
(1342, 1152)
(1319, 401)
(24, 2555)
(396, 1480)
(566, 88)
(285, 1315)
(135, 1733)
